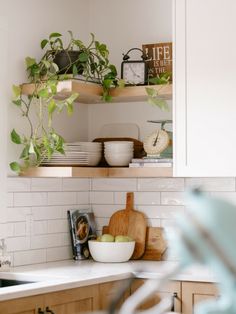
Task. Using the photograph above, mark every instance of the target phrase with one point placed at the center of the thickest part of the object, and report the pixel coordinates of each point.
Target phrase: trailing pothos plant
(42, 140)
(153, 94)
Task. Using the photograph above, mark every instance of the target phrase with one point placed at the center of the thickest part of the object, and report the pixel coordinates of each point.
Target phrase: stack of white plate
(77, 154)
(118, 153)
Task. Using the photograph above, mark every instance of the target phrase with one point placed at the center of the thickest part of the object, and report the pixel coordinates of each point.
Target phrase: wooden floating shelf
(96, 172)
(91, 93)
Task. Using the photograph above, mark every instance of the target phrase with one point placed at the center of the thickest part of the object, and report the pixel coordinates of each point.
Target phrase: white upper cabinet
(205, 87)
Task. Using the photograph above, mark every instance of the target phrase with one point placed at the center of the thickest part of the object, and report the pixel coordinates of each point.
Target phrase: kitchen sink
(11, 282)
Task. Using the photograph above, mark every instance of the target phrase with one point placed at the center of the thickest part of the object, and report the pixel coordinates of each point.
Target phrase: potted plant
(43, 140)
(91, 61)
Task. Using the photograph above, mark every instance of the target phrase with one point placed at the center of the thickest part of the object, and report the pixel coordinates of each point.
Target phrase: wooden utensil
(130, 222)
(155, 245)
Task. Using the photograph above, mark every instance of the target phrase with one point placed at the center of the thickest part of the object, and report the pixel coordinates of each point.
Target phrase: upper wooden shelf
(93, 172)
(90, 93)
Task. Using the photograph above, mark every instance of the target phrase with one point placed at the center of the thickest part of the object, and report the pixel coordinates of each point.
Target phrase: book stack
(150, 162)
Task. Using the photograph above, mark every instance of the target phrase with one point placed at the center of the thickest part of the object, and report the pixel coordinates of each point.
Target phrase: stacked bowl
(118, 153)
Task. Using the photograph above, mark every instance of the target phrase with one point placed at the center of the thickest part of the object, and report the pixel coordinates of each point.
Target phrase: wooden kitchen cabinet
(204, 106)
(27, 305)
(73, 301)
(108, 290)
(169, 290)
(195, 292)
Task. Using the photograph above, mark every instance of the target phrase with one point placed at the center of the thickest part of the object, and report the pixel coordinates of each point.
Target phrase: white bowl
(122, 150)
(118, 143)
(118, 159)
(111, 252)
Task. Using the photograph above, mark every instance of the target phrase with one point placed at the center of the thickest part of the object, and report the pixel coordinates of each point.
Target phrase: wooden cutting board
(130, 222)
(155, 245)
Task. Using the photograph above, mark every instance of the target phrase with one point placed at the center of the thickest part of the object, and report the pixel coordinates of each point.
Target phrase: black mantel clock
(134, 72)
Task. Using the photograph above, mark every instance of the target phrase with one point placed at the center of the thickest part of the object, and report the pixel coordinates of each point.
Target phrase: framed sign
(160, 58)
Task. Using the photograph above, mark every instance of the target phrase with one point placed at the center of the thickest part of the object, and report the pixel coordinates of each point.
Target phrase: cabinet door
(73, 301)
(28, 305)
(168, 290)
(195, 292)
(204, 89)
(108, 291)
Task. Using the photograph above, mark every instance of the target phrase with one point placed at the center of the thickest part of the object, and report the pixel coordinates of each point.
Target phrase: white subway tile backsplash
(161, 212)
(114, 184)
(62, 198)
(58, 226)
(36, 226)
(83, 197)
(101, 197)
(65, 239)
(173, 198)
(8, 230)
(16, 184)
(48, 212)
(45, 241)
(211, 184)
(39, 227)
(105, 210)
(19, 229)
(29, 257)
(161, 184)
(46, 184)
(18, 214)
(59, 253)
(74, 184)
(30, 199)
(100, 222)
(18, 244)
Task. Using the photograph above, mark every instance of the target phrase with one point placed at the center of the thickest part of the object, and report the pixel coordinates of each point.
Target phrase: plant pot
(64, 60)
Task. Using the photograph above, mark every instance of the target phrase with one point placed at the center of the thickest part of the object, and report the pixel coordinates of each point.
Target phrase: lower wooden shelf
(96, 172)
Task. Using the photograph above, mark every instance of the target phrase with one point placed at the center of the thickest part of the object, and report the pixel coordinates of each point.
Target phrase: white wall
(123, 25)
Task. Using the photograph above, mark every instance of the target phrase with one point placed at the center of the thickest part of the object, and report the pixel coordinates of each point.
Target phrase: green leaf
(30, 62)
(72, 98)
(121, 83)
(161, 103)
(43, 93)
(151, 92)
(83, 57)
(44, 42)
(74, 70)
(16, 91)
(52, 35)
(70, 109)
(15, 137)
(31, 148)
(15, 166)
(25, 153)
(17, 102)
(107, 83)
(52, 106)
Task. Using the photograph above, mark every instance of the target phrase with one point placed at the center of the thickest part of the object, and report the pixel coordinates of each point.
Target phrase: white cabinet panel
(205, 85)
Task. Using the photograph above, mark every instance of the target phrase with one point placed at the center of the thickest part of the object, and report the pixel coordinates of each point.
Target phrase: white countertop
(72, 274)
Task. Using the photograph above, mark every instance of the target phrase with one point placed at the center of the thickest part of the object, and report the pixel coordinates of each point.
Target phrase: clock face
(156, 142)
(134, 73)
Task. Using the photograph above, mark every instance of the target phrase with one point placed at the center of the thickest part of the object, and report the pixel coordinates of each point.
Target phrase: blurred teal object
(207, 234)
